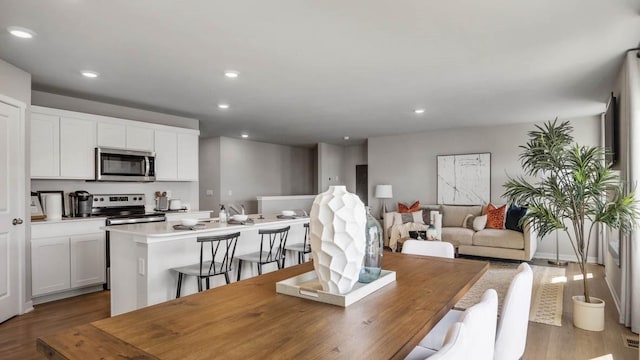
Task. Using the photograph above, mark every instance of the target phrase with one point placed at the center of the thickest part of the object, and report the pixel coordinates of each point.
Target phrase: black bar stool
(301, 248)
(225, 245)
(272, 244)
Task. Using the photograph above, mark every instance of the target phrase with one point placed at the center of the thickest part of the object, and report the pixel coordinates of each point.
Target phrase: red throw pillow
(495, 216)
(403, 208)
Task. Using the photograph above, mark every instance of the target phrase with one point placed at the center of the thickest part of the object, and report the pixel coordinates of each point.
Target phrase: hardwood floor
(568, 342)
(18, 335)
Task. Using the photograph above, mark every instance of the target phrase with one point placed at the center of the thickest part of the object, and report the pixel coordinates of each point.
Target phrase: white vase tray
(306, 286)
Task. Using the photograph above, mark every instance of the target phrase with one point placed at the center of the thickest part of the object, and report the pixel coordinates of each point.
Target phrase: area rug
(546, 297)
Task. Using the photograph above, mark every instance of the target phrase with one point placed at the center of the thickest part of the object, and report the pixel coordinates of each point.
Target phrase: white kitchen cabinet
(112, 135)
(187, 157)
(77, 148)
(50, 266)
(63, 144)
(67, 258)
(166, 147)
(45, 145)
(139, 138)
(87, 258)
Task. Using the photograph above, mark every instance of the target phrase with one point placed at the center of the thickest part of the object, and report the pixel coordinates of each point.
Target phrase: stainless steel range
(122, 209)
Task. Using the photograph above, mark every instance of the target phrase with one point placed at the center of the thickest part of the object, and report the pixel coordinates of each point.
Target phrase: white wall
(353, 155)
(408, 162)
(210, 173)
(249, 169)
(330, 166)
(42, 98)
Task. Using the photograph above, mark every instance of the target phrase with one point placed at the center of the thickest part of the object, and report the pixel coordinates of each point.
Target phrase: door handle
(17, 221)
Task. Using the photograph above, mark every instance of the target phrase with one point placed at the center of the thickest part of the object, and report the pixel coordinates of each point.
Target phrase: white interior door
(12, 227)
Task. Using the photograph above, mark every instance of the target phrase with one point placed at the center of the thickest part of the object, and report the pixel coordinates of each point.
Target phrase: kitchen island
(143, 254)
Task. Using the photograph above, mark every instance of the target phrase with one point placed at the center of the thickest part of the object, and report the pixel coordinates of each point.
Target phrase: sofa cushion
(514, 214)
(426, 212)
(457, 235)
(499, 238)
(403, 218)
(495, 216)
(404, 208)
(453, 215)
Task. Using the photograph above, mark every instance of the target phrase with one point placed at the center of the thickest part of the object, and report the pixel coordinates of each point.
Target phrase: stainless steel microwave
(125, 165)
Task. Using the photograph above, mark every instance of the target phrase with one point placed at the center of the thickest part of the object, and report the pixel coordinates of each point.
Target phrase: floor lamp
(383, 192)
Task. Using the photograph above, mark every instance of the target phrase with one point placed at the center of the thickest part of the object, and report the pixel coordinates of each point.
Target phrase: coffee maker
(81, 203)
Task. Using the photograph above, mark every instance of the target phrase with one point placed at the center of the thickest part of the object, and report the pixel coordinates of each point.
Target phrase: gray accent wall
(248, 169)
(408, 162)
(15, 83)
(353, 155)
(209, 168)
(330, 166)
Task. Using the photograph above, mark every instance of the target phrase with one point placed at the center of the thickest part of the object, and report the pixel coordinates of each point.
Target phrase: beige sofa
(494, 243)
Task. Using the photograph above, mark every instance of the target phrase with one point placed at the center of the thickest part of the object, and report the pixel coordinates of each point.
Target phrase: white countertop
(160, 230)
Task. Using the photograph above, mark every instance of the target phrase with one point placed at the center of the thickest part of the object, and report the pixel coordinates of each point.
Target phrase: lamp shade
(384, 192)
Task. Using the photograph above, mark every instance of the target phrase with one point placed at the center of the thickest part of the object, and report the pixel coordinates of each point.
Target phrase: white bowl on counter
(189, 222)
(288, 212)
(240, 217)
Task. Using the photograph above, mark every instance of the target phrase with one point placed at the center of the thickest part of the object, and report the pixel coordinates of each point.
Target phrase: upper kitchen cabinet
(112, 135)
(45, 146)
(77, 148)
(176, 156)
(117, 134)
(166, 155)
(187, 157)
(63, 144)
(139, 138)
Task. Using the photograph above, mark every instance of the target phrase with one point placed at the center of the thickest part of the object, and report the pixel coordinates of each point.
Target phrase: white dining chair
(478, 339)
(511, 334)
(453, 348)
(428, 248)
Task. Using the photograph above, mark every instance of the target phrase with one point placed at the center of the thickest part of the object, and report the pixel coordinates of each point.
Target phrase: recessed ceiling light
(21, 32)
(418, 111)
(244, 136)
(231, 74)
(89, 74)
(223, 106)
(346, 138)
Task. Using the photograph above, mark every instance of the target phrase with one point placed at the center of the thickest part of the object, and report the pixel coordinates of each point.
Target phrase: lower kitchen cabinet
(50, 266)
(67, 262)
(87, 259)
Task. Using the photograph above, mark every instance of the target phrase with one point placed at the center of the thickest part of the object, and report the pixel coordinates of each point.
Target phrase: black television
(612, 131)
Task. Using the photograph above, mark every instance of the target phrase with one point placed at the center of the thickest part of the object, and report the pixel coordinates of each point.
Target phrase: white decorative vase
(588, 316)
(337, 231)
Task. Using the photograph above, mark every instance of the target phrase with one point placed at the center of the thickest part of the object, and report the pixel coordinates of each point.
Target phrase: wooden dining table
(248, 319)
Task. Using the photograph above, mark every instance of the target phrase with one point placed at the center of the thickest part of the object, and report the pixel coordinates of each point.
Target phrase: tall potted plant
(573, 190)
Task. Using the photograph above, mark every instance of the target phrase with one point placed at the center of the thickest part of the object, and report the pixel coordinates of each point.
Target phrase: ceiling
(316, 71)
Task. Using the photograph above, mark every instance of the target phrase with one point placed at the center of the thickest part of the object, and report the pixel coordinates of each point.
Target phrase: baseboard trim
(67, 294)
(563, 257)
(614, 296)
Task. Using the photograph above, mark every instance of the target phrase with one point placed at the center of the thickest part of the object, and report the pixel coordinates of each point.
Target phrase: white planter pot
(588, 316)
(337, 233)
